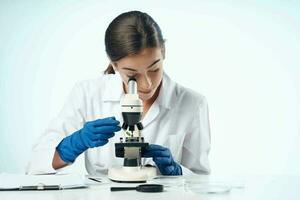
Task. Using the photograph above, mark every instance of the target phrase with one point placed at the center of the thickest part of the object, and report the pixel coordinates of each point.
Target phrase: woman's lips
(145, 92)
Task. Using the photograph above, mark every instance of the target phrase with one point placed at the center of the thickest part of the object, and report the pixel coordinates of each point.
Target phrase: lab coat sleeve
(70, 119)
(196, 145)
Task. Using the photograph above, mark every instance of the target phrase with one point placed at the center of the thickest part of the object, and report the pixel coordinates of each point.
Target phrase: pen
(94, 179)
(41, 187)
(33, 187)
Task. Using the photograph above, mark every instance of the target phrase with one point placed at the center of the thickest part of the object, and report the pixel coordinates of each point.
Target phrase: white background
(244, 57)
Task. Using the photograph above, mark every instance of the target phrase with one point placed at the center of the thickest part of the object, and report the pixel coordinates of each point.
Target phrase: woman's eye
(130, 75)
(155, 70)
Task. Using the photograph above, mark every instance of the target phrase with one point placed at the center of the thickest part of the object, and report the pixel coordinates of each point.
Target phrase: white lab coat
(178, 119)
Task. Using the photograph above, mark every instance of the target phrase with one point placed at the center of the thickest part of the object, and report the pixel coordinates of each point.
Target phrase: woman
(175, 118)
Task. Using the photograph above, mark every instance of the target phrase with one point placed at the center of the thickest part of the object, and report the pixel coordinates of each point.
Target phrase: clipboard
(20, 182)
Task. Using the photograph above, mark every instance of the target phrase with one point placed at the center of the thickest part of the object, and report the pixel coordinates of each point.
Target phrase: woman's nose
(144, 83)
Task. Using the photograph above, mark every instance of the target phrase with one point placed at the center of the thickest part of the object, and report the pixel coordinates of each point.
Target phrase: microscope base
(131, 174)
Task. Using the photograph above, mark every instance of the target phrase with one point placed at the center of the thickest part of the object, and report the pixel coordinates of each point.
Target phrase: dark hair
(129, 33)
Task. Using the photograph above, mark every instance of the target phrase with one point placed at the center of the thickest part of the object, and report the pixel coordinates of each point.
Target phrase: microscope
(131, 145)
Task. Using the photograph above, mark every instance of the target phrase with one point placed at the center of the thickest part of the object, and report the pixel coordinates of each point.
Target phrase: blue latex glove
(93, 134)
(163, 159)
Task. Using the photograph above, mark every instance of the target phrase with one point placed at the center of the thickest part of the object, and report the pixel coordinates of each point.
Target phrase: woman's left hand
(163, 159)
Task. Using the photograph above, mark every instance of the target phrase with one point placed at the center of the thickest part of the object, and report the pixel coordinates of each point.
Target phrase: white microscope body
(131, 146)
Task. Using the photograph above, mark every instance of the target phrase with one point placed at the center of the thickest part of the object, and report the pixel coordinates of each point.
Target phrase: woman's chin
(145, 97)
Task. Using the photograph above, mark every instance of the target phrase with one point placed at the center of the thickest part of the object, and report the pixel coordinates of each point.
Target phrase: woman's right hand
(93, 134)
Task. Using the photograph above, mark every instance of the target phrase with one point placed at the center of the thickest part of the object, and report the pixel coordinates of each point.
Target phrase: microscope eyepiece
(132, 79)
(132, 86)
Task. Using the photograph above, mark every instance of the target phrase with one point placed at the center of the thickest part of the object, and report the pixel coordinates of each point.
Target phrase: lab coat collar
(113, 90)
(166, 93)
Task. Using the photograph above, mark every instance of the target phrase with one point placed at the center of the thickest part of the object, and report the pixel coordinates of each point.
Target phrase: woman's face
(146, 67)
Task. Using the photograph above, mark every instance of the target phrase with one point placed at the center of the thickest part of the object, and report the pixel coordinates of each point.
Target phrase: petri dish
(206, 187)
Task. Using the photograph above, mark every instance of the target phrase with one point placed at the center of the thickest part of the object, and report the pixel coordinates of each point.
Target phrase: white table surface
(250, 187)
